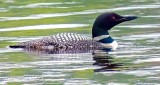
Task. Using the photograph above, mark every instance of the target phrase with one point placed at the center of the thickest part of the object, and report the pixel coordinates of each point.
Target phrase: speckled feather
(61, 40)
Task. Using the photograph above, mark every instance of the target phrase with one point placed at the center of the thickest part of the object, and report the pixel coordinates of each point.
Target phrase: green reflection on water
(15, 57)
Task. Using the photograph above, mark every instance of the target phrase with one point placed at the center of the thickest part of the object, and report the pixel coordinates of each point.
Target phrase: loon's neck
(98, 32)
(101, 35)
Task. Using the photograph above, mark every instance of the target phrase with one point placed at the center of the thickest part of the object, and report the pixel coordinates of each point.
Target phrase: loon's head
(105, 22)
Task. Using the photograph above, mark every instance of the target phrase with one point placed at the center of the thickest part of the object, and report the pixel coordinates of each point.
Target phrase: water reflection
(99, 58)
(106, 62)
(58, 66)
(65, 66)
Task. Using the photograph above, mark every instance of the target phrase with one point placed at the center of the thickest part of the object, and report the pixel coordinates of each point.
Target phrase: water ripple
(8, 1)
(20, 39)
(141, 26)
(152, 16)
(147, 60)
(40, 5)
(140, 72)
(141, 36)
(49, 26)
(40, 16)
(3, 10)
(13, 65)
(7, 49)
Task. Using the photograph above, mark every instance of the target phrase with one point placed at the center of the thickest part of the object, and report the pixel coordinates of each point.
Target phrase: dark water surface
(135, 62)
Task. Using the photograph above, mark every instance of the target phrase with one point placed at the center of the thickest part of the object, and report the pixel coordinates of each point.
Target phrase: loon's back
(61, 40)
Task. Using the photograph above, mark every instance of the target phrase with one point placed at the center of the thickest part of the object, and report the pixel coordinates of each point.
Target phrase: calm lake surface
(135, 62)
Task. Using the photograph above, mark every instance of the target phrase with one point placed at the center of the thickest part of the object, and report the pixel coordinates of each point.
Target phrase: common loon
(100, 36)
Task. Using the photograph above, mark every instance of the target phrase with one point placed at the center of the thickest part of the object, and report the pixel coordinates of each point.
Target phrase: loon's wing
(68, 38)
(58, 40)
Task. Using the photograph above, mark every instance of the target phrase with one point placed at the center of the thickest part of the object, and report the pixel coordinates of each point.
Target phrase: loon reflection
(101, 58)
(106, 62)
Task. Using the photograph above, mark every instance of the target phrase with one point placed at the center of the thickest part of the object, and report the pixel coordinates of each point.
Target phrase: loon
(100, 36)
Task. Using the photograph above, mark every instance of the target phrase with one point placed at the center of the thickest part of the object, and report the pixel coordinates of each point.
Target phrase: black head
(106, 21)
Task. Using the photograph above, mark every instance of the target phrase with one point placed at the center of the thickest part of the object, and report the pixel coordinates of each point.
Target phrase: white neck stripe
(100, 37)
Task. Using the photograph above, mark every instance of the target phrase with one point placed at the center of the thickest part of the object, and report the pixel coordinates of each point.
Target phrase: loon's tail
(17, 46)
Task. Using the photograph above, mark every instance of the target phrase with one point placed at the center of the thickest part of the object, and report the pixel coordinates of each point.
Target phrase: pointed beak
(128, 18)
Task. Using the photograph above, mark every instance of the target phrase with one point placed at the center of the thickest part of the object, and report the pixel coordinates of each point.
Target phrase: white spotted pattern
(67, 40)
(60, 39)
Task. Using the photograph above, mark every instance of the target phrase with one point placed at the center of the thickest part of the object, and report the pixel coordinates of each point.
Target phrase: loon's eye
(114, 18)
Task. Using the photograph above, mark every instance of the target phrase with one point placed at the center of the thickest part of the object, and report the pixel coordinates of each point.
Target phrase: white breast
(113, 45)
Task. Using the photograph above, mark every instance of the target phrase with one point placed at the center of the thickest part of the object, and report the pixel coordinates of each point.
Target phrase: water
(135, 62)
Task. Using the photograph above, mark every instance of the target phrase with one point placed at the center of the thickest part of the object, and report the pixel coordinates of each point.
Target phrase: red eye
(113, 18)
